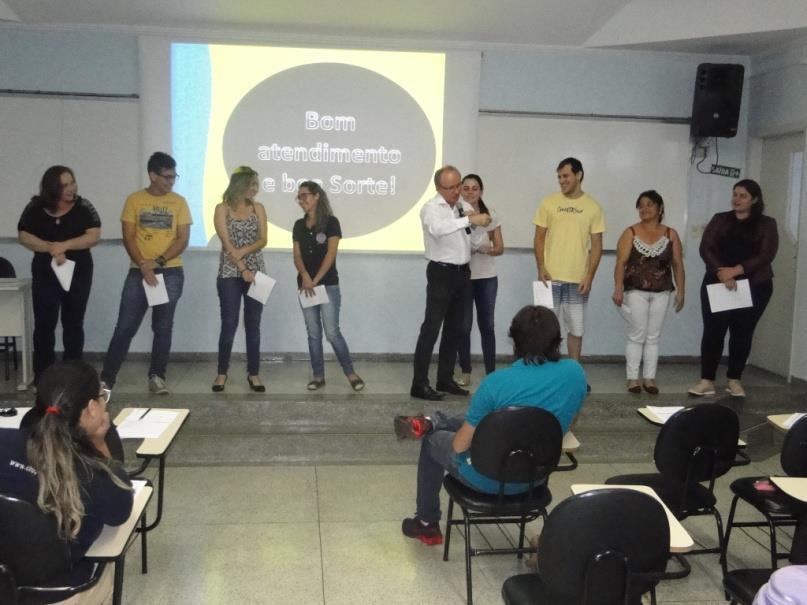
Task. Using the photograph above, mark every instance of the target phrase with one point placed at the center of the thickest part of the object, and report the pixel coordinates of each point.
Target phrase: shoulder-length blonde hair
(240, 180)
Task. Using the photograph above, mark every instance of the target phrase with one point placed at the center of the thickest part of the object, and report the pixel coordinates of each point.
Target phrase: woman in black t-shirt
(316, 239)
(58, 225)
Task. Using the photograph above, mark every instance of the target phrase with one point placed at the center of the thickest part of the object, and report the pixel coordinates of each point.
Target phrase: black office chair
(697, 444)
(601, 547)
(779, 509)
(34, 561)
(8, 344)
(512, 445)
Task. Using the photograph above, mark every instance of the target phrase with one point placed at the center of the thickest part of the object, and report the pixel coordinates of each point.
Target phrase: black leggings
(49, 300)
(740, 324)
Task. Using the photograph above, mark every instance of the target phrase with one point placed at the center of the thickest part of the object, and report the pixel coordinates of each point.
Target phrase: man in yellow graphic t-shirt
(156, 225)
(568, 245)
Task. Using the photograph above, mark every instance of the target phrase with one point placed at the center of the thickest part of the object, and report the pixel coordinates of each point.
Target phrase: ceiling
(740, 27)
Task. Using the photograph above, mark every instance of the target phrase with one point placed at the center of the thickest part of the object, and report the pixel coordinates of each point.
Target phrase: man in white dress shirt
(447, 223)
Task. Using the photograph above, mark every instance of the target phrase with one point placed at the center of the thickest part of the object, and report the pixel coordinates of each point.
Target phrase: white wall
(384, 295)
(779, 106)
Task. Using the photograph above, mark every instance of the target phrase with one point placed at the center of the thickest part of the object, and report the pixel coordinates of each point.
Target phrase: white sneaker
(735, 388)
(157, 386)
(702, 387)
(464, 379)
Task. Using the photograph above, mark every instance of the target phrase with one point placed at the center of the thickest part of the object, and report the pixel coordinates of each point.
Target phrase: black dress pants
(448, 287)
(49, 300)
(740, 324)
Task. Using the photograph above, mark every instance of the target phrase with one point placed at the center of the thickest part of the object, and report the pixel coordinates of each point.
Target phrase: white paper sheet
(138, 485)
(261, 287)
(64, 272)
(320, 297)
(794, 418)
(145, 423)
(156, 295)
(542, 294)
(723, 299)
(663, 413)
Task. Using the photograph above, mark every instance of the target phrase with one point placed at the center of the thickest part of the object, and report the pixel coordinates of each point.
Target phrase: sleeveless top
(242, 232)
(649, 266)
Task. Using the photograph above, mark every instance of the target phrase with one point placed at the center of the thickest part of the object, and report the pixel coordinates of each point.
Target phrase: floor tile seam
(319, 536)
(249, 523)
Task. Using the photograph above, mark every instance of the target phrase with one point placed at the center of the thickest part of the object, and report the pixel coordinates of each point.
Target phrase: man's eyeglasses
(449, 187)
(169, 177)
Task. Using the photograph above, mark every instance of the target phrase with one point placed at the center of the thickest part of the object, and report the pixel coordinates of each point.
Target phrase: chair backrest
(30, 546)
(6, 268)
(594, 542)
(517, 445)
(699, 442)
(794, 449)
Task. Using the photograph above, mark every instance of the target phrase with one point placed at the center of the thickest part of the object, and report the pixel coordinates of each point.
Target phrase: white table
(112, 544)
(151, 449)
(13, 422)
(16, 319)
(795, 487)
(778, 421)
(652, 418)
(680, 540)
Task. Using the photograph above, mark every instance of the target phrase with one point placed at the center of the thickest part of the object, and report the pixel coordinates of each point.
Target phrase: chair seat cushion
(670, 490)
(743, 584)
(468, 498)
(772, 502)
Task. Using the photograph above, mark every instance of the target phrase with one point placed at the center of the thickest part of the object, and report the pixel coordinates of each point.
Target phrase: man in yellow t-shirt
(156, 226)
(568, 245)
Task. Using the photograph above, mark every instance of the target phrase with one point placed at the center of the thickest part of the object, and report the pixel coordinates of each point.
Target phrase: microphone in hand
(462, 214)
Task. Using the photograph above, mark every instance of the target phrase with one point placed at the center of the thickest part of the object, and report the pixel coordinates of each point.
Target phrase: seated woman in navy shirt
(61, 463)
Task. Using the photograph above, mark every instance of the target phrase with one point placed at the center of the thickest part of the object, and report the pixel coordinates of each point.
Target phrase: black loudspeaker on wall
(716, 105)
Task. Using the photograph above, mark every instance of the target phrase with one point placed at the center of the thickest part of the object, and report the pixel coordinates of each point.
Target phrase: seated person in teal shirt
(537, 378)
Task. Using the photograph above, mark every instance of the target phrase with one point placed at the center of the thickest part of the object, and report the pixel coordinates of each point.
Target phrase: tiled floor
(331, 535)
(308, 535)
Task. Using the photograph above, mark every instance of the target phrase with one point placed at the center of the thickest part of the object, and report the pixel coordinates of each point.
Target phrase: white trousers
(647, 311)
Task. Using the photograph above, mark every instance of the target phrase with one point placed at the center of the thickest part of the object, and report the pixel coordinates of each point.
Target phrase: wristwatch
(160, 260)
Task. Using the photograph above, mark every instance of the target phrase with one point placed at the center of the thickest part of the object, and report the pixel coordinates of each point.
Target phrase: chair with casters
(511, 445)
(696, 445)
(8, 344)
(778, 509)
(607, 546)
(34, 562)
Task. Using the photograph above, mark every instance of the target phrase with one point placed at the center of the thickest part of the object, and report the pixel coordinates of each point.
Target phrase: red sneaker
(429, 534)
(412, 427)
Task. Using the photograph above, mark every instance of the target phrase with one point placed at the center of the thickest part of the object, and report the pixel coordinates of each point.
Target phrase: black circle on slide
(385, 115)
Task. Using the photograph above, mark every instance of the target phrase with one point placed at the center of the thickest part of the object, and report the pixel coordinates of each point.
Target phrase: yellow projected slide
(367, 125)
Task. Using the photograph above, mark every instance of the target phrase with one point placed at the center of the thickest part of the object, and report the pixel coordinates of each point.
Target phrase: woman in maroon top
(738, 244)
(648, 257)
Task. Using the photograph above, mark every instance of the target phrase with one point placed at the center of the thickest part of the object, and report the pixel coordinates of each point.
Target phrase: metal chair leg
(468, 582)
(447, 539)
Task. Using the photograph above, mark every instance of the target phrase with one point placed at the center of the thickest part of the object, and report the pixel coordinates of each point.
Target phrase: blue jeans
(231, 290)
(437, 457)
(327, 314)
(484, 294)
(133, 307)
